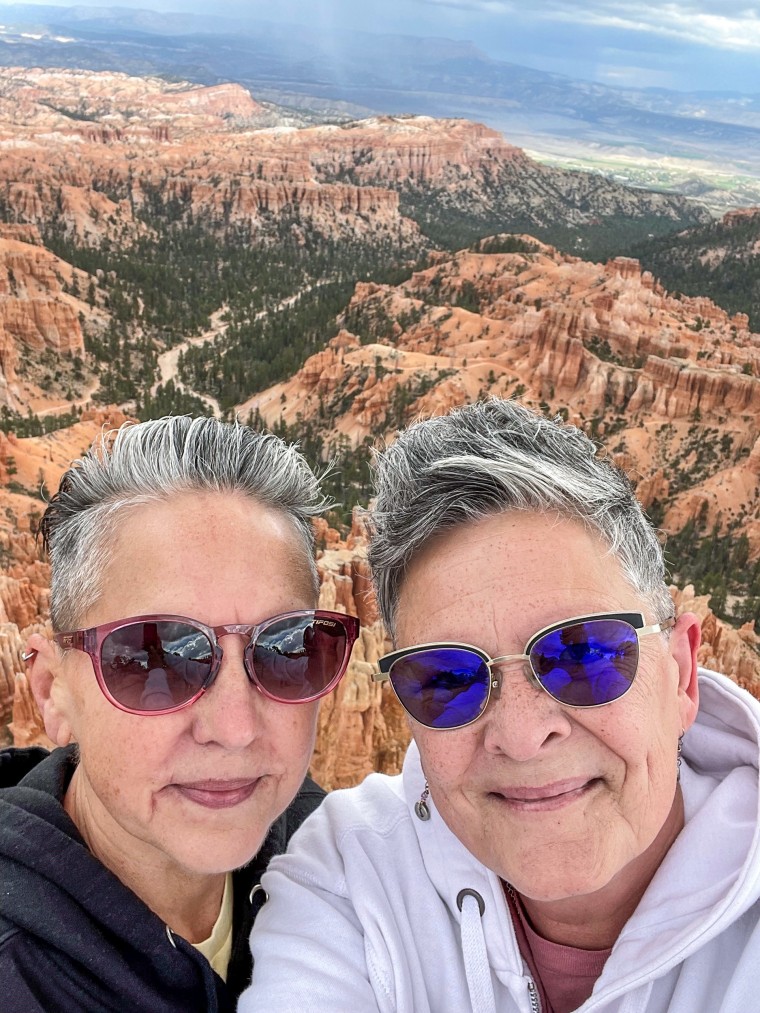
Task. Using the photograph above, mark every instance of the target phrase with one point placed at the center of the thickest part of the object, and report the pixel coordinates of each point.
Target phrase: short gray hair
(496, 456)
(147, 462)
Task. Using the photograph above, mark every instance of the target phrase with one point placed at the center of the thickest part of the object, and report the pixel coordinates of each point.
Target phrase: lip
(217, 794)
(546, 797)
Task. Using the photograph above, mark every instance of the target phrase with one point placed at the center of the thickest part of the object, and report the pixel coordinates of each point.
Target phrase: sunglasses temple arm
(666, 624)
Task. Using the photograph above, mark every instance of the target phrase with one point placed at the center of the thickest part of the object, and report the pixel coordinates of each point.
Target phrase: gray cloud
(719, 24)
(689, 45)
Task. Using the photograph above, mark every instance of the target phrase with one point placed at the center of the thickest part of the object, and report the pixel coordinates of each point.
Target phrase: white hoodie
(362, 912)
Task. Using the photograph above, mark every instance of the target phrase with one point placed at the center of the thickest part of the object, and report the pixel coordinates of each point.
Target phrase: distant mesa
(91, 145)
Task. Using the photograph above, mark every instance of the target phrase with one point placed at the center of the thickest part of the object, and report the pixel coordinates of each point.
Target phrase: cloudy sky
(687, 45)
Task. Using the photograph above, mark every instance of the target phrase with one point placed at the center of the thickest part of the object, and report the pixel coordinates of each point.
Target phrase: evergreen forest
(719, 261)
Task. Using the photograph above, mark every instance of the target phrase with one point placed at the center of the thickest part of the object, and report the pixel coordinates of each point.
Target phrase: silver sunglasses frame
(635, 620)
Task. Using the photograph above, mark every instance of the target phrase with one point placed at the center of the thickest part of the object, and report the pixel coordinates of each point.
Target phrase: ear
(684, 644)
(49, 686)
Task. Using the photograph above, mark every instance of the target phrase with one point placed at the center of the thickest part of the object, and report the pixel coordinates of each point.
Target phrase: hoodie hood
(711, 876)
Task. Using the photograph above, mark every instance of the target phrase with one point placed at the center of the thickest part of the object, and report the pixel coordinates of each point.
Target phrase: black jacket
(73, 938)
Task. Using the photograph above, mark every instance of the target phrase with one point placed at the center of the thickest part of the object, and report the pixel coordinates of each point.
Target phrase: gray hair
(147, 462)
(495, 456)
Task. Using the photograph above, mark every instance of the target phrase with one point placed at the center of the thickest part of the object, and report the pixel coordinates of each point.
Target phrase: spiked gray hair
(151, 461)
(495, 456)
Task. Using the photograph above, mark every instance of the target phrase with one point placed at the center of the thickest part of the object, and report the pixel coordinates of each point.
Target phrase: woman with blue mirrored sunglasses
(570, 832)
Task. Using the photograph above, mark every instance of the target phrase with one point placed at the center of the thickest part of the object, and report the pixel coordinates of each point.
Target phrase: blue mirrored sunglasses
(587, 661)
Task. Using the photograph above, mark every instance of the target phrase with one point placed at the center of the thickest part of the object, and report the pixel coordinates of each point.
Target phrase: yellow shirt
(218, 947)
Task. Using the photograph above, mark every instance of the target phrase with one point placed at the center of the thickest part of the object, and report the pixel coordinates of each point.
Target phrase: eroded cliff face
(85, 151)
(98, 148)
(38, 312)
(33, 466)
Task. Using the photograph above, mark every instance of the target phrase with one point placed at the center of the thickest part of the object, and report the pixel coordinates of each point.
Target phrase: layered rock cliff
(96, 147)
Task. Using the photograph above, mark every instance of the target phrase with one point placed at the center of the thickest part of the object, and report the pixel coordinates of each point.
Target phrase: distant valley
(703, 144)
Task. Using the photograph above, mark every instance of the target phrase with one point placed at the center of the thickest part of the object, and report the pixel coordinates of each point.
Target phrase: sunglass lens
(155, 666)
(299, 658)
(445, 687)
(587, 664)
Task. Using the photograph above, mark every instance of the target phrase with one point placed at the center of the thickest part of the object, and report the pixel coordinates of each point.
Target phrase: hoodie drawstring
(476, 966)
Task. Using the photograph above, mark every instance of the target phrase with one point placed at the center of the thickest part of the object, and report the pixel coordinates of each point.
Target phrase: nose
(521, 719)
(230, 711)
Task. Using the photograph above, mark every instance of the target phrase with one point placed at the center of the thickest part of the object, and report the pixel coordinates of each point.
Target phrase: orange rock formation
(672, 385)
(206, 148)
(646, 372)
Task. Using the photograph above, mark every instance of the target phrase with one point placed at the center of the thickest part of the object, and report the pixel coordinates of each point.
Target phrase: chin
(211, 858)
(560, 885)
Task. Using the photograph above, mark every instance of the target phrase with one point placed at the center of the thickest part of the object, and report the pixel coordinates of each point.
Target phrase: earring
(678, 756)
(421, 808)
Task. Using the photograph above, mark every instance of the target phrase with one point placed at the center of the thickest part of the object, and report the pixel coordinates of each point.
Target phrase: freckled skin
(494, 583)
(218, 558)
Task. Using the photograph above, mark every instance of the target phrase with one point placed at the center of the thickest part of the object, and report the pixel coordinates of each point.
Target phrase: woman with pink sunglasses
(181, 689)
(576, 825)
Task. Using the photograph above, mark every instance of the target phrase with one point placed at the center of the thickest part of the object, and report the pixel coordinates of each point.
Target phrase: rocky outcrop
(361, 726)
(74, 102)
(88, 151)
(39, 311)
(678, 389)
(96, 147)
(672, 385)
(34, 310)
(420, 148)
(736, 652)
(581, 334)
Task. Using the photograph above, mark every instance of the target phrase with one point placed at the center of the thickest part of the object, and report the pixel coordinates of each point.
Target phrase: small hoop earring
(421, 808)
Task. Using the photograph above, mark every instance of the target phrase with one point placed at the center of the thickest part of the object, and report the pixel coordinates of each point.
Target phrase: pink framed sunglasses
(158, 664)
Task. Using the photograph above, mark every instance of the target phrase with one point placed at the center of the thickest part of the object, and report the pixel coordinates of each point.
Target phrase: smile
(547, 798)
(216, 794)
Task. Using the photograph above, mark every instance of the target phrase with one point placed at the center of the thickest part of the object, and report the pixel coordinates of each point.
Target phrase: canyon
(97, 146)
(660, 379)
(97, 167)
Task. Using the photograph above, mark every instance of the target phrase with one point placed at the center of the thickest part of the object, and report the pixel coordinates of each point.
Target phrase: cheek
(125, 755)
(446, 757)
(292, 733)
(124, 760)
(640, 733)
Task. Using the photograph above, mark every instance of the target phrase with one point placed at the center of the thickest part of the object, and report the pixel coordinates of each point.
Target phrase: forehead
(194, 552)
(525, 570)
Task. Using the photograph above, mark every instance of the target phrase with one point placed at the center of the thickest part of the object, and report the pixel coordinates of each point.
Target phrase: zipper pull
(535, 1002)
